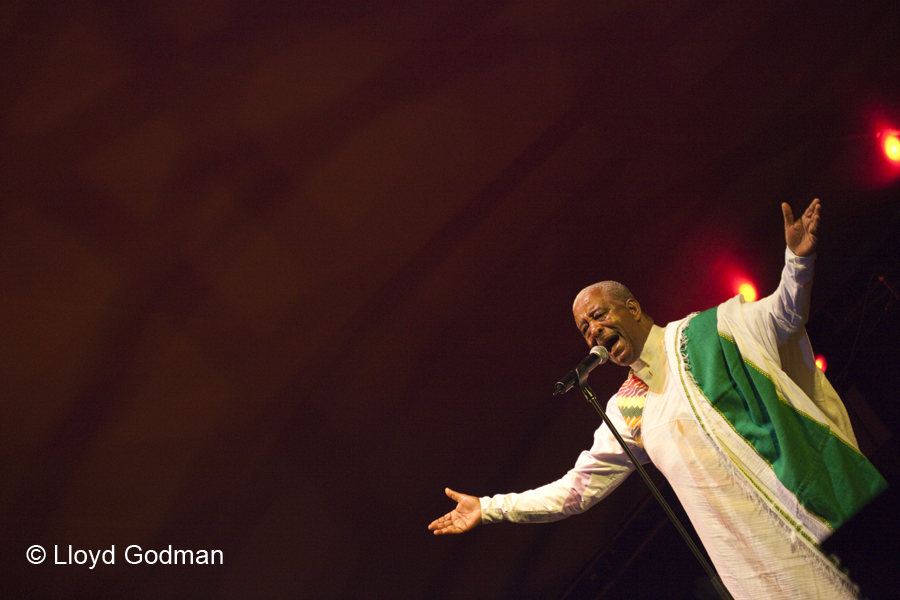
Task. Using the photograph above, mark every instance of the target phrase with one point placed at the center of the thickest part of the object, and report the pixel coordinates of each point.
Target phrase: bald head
(609, 289)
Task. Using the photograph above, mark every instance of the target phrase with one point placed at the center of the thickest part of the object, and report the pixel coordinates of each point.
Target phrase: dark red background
(272, 275)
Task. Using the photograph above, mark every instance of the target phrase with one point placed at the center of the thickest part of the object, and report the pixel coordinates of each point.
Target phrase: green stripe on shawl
(829, 478)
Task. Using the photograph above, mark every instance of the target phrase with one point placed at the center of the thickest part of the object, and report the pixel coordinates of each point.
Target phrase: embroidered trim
(631, 398)
(784, 524)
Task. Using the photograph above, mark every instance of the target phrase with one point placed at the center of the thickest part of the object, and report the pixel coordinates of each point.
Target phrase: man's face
(606, 322)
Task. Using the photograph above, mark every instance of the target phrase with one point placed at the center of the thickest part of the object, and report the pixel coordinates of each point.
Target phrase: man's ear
(634, 307)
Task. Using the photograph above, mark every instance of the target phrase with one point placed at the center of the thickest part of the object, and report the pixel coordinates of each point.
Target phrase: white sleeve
(597, 472)
(784, 312)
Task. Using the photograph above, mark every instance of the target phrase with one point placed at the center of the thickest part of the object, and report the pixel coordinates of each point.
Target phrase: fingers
(801, 233)
(464, 517)
(815, 209)
(445, 525)
(788, 214)
(812, 217)
(439, 524)
(813, 212)
(808, 220)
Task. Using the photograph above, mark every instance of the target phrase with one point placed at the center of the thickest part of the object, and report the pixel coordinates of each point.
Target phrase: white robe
(751, 536)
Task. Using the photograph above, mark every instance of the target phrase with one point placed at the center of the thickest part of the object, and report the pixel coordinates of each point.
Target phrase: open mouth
(609, 342)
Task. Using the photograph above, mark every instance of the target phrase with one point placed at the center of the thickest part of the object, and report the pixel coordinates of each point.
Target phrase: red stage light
(879, 165)
(747, 290)
(891, 146)
(821, 363)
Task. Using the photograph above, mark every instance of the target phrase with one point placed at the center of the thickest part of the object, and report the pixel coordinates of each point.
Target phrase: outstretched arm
(464, 517)
(802, 235)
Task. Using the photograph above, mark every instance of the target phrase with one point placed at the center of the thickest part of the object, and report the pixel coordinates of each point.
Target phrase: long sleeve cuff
(802, 268)
(490, 514)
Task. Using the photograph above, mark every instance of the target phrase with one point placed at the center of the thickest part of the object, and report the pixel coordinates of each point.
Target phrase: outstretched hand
(466, 515)
(802, 235)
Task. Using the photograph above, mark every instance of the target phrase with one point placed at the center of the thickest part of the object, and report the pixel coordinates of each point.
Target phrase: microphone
(598, 356)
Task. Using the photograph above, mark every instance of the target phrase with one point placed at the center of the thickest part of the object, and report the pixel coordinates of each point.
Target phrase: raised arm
(780, 315)
(464, 517)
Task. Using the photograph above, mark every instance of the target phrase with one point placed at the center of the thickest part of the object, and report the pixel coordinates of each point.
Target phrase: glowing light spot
(821, 363)
(892, 146)
(748, 291)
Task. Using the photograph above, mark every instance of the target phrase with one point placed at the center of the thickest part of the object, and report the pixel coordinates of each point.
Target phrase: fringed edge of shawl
(811, 553)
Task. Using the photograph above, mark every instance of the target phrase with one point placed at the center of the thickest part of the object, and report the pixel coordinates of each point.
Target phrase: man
(729, 406)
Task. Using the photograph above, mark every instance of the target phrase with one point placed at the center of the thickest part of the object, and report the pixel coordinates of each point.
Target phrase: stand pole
(714, 577)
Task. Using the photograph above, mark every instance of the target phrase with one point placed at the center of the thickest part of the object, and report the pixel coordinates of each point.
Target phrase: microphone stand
(592, 398)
